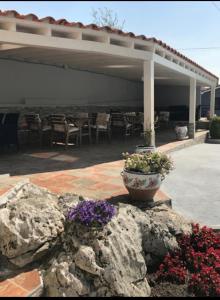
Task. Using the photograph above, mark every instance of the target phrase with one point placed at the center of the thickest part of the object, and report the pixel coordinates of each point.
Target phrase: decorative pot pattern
(181, 132)
(145, 149)
(141, 181)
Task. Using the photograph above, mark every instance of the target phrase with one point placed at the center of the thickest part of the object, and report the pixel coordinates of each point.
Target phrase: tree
(106, 17)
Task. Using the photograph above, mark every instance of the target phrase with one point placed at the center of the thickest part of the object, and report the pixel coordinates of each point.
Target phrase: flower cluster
(198, 259)
(205, 283)
(92, 213)
(172, 269)
(154, 162)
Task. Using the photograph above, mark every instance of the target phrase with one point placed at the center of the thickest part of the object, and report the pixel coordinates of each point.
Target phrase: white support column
(212, 102)
(192, 107)
(148, 70)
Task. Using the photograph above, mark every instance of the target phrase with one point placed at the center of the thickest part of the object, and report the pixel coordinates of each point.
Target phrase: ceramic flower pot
(145, 149)
(141, 186)
(181, 132)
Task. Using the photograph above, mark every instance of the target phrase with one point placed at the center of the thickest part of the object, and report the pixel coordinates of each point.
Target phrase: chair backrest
(118, 119)
(33, 121)
(164, 116)
(102, 119)
(82, 115)
(58, 122)
(132, 114)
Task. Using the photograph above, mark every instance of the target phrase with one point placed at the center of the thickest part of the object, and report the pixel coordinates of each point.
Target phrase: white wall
(48, 85)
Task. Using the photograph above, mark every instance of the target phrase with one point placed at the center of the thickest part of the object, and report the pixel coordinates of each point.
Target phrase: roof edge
(64, 22)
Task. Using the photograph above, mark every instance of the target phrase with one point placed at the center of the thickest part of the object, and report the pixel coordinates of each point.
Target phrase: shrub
(92, 213)
(148, 163)
(215, 128)
(197, 260)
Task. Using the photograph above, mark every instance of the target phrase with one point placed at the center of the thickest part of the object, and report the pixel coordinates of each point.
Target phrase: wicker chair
(62, 130)
(102, 124)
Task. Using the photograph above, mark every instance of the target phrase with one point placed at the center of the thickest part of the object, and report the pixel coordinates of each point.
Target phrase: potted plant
(144, 173)
(146, 147)
(181, 132)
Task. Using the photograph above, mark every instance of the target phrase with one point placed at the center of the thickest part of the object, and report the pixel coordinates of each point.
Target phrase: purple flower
(92, 213)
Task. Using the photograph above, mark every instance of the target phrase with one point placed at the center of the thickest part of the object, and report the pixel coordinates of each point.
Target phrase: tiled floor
(91, 170)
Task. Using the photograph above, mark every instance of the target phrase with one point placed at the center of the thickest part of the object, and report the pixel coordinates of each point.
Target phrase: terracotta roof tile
(51, 20)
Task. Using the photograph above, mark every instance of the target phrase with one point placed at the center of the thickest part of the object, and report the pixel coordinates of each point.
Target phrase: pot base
(142, 195)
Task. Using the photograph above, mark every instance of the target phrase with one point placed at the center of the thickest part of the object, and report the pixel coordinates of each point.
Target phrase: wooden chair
(84, 123)
(103, 124)
(62, 130)
(119, 120)
(133, 118)
(36, 126)
(156, 120)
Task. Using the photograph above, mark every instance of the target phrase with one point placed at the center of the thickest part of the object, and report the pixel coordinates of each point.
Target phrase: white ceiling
(100, 63)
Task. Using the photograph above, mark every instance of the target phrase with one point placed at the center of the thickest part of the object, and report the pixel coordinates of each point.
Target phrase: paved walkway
(194, 185)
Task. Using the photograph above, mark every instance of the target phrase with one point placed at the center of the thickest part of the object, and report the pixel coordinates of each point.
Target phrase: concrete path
(194, 185)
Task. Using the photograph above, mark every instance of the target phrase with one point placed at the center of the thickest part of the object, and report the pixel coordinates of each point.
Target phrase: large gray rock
(29, 224)
(114, 262)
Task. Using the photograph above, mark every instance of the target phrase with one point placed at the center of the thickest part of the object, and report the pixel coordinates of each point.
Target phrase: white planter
(141, 186)
(181, 132)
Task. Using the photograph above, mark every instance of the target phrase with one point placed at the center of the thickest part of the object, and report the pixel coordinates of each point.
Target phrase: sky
(180, 24)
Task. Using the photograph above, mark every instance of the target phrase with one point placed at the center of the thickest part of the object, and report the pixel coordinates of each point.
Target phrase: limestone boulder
(30, 225)
(114, 261)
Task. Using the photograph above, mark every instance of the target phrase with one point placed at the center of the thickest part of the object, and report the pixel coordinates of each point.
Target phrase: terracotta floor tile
(65, 158)
(28, 281)
(85, 181)
(43, 154)
(160, 195)
(105, 187)
(10, 289)
(4, 190)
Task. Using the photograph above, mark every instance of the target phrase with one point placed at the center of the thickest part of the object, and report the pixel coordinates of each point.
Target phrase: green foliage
(146, 163)
(215, 128)
(147, 137)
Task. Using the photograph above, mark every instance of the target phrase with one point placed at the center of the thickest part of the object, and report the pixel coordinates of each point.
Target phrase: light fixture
(119, 66)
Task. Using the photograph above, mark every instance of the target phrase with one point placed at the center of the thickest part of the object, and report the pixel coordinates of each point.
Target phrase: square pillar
(212, 102)
(192, 108)
(148, 70)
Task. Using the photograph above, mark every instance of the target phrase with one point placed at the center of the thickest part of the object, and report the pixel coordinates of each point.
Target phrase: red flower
(198, 258)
